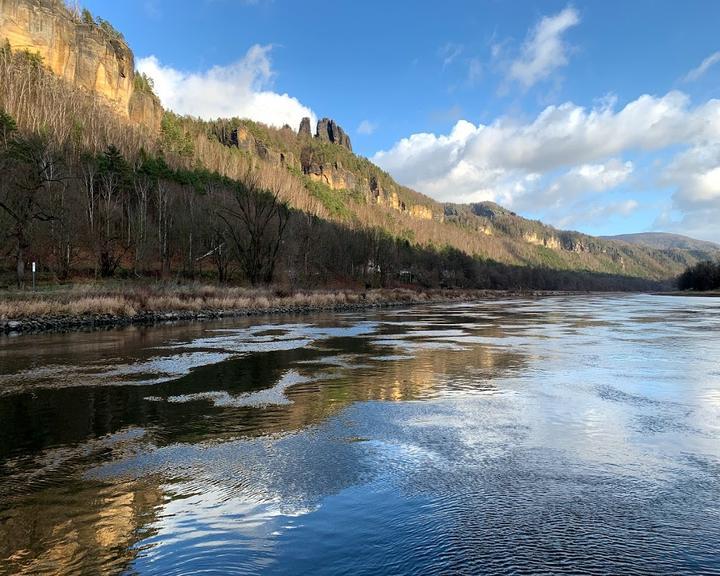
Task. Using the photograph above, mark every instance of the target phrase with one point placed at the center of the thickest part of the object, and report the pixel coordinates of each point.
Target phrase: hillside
(701, 249)
(351, 187)
(167, 183)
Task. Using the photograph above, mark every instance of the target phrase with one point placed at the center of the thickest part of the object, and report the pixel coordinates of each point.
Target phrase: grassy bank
(90, 305)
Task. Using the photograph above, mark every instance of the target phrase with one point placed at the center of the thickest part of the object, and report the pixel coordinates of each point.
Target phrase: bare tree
(162, 204)
(32, 169)
(215, 242)
(256, 222)
(142, 186)
(113, 175)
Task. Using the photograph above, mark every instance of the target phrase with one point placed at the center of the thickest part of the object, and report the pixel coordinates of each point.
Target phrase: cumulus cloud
(366, 127)
(566, 154)
(544, 50)
(574, 184)
(695, 175)
(705, 65)
(239, 89)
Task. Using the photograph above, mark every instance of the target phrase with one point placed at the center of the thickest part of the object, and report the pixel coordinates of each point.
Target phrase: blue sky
(597, 116)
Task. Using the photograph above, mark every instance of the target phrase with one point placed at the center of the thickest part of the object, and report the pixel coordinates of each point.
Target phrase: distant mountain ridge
(701, 249)
(664, 241)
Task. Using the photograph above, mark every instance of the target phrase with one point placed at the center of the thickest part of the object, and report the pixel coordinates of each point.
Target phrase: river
(558, 435)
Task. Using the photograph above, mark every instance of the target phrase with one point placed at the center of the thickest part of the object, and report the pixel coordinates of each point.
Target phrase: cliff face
(145, 109)
(327, 131)
(79, 51)
(338, 178)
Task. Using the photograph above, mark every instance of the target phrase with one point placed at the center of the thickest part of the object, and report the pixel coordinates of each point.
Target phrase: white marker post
(33, 271)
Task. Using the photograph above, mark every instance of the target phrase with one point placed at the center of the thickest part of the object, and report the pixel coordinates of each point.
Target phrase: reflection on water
(559, 435)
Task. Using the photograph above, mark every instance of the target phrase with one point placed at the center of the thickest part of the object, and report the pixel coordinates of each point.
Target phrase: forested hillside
(700, 249)
(90, 192)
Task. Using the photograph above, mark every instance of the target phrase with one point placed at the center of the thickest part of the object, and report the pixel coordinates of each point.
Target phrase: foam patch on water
(168, 366)
(154, 370)
(341, 361)
(392, 357)
(260, 399)
(412, 346)
(281, 337)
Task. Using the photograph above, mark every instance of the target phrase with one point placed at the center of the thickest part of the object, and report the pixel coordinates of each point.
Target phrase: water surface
(562, 435)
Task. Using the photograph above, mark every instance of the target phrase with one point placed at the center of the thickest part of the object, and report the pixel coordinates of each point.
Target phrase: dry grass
(129, 301)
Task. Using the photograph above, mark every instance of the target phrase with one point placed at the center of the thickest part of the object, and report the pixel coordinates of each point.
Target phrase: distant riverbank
(88, 307)
(709, 293)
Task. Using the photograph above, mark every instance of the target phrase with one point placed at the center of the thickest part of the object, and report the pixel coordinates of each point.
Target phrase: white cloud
(366, 127)
(561, 136)
(567, 154)
(239, 89)
(695, 174)
(705, 65)
(544, 49)
(579, 181)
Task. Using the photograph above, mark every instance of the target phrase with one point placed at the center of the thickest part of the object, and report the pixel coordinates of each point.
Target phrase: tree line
(702, 277)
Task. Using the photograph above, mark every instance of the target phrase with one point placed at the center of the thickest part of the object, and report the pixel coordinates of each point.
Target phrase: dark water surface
(559, 435)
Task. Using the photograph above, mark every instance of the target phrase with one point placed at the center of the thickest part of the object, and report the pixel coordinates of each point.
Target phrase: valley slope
(313, 169)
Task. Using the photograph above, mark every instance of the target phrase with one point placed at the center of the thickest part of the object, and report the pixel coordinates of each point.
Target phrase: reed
(129, 301)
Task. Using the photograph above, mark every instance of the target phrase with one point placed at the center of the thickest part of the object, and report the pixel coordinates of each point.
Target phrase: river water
(557, 435)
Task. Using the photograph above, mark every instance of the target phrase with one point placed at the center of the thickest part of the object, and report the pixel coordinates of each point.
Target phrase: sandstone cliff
(145, 108)
(90, 55)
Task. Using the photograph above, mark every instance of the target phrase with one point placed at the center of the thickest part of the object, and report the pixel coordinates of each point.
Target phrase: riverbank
(88, 307)
(708, 293)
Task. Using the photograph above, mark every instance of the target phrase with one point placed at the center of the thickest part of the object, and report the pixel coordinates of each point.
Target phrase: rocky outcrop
(548, 242)
(334, 178)
(241, 138)
(381, 197)
(421, 212)
(329, 131)
(332, 174)
(376, 194)
(267, 154)
(304, 131)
